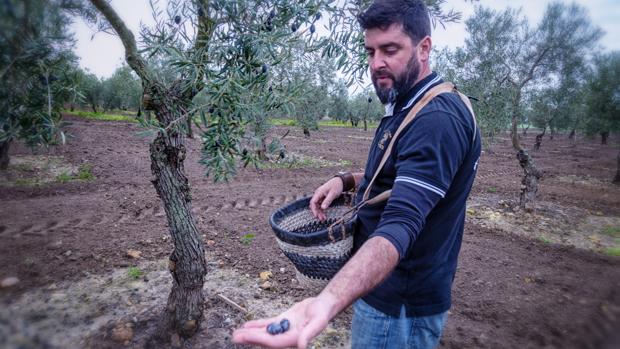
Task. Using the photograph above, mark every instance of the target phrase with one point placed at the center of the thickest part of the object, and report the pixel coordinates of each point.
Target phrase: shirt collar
(413, 95)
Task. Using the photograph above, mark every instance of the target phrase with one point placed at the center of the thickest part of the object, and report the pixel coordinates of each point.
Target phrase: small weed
(613, 251)
(135, 272)
(85, 172)
(544, 240)
(613, 231)
(64, 177)
(247, 238)
(492, 190)
(26, 181)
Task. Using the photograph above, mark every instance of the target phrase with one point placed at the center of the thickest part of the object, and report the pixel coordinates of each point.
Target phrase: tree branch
(132, 56)
(530, 74)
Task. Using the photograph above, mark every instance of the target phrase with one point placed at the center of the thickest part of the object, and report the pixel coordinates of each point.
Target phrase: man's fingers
(315, 201)
(257, 336)
(331, 195)
(258, 323)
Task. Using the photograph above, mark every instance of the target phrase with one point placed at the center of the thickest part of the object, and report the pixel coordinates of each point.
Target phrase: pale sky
(103, 54)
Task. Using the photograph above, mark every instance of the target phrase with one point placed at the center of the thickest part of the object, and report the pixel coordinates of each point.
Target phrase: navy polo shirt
(430, 171)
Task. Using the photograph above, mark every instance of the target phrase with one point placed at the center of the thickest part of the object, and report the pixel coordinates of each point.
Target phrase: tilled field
(535, 279)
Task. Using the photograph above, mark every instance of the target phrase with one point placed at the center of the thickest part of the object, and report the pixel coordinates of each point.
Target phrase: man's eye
(391, 52)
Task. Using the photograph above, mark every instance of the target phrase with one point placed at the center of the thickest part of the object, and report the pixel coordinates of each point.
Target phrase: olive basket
(317, 249)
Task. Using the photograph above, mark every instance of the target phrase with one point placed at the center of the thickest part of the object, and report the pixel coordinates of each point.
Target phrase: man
(401, 274)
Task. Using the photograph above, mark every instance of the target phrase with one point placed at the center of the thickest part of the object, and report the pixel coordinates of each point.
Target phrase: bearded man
(399, 279)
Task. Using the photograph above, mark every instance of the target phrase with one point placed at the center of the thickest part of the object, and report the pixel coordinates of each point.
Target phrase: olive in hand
(277, 328)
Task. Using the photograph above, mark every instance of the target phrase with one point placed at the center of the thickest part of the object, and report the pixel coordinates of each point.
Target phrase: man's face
(393, 61)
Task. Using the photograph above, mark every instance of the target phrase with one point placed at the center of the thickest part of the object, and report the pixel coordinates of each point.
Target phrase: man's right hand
(323, 197)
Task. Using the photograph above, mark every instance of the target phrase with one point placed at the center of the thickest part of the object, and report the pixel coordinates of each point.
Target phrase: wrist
(348, 180)
(331, 303)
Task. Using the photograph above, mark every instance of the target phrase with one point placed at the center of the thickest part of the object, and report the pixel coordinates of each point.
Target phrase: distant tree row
(551, 75)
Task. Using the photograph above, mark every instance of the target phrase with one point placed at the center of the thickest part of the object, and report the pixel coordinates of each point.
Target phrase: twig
(232, 304)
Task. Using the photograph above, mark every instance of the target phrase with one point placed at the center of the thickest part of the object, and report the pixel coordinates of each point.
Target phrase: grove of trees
(226, 68)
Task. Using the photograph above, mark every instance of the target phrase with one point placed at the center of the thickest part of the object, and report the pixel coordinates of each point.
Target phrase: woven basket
(317, 249)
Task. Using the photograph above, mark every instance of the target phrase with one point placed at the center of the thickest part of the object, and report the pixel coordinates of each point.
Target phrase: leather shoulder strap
(430, 94)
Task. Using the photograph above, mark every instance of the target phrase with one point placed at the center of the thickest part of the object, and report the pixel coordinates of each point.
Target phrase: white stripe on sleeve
(422, 184)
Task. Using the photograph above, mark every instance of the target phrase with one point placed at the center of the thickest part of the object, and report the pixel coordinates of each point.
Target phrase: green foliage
(613, 231)
(603, 95)
(85, 173)
(134, 272)
(507, 64)
(613, 251)
(103, 117)
(247, 238)
(64, 177)
(227, 63)
(37, 65)
(122, 90)
(283, 122)
(544, 239)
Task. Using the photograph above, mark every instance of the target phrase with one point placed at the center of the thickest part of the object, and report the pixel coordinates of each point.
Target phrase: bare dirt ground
(541, 278)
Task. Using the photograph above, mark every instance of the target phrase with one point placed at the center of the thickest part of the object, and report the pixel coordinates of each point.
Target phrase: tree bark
(190, 132)
(184, 310)
(604, 136)
(539, 138)
(529, 182)
(617, 178)
(531, 175)
(188, 266)
(4, 155)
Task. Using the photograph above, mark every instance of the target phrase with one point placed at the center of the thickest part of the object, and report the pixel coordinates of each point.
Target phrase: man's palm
(307, 319)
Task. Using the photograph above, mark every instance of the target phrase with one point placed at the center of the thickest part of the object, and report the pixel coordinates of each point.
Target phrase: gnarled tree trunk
(188, 267)
(539, 138)
(4, 155)
(531, 175)
(604, 136)
(617, 178)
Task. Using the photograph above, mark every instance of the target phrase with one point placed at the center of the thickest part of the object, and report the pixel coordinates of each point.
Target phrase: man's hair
(411, 14)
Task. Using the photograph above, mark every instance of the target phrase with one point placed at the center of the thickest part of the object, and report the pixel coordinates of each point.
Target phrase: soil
(544, 277)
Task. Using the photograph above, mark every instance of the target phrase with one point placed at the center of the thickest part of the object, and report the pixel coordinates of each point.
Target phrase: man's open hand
(307, 319)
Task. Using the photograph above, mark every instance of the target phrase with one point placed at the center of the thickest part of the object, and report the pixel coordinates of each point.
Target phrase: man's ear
(424, 48)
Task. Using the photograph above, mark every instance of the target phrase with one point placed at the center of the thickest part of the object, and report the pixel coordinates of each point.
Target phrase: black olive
(317, 16)
(265, 68)
(369, 100)
(177, 19)
(285, 324)
(312, 29)
(294, 27)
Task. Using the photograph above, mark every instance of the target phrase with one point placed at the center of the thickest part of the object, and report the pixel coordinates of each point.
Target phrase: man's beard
(400, 84)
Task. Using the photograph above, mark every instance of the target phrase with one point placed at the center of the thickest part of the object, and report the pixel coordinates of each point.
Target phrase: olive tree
(224, 50)
(514, 57)
(33, 83)
(603, 99)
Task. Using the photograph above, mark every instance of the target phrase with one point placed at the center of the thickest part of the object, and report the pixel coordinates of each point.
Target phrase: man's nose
(377, 62)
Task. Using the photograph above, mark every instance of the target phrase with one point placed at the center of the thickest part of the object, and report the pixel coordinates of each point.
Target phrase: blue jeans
(372, 329)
